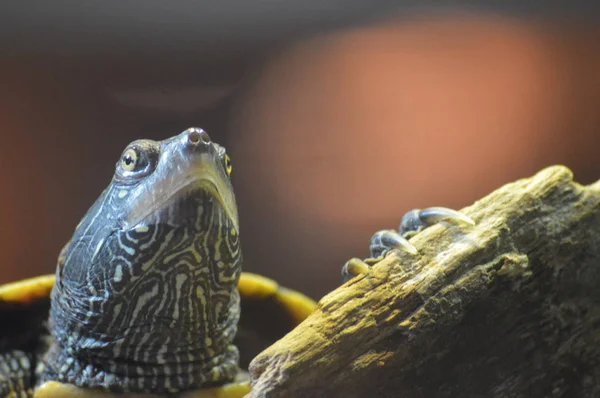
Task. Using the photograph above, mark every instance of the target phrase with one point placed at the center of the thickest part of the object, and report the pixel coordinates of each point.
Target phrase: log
(507, 308)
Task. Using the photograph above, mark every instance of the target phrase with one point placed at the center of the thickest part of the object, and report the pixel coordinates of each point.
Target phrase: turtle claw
(386, 240)
(354, 267)
(417, 219)
(381, 243)
(433, 215)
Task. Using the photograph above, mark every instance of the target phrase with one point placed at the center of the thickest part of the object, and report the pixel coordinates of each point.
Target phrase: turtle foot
(387, 240)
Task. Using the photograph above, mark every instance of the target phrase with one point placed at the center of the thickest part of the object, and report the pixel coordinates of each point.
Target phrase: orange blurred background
(332, 136)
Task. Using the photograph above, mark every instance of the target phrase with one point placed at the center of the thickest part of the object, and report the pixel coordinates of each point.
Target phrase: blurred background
(339, 115)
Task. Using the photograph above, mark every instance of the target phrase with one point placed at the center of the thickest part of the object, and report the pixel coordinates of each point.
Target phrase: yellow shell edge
(298, 305)
(258, 287)
(27, 290)
(54, 389)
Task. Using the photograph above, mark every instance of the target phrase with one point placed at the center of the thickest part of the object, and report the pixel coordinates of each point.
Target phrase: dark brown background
(333, 133)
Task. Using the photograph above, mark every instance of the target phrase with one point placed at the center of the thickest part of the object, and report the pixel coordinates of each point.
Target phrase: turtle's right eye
(129, 159)
(137, 161)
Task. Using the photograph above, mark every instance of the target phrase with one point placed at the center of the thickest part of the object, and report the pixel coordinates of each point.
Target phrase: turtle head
(146, 298)
(163, 182)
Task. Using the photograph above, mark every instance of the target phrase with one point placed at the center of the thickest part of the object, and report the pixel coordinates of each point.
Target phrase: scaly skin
(145, 298)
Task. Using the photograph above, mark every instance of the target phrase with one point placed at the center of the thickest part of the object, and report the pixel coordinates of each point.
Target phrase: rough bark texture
(508, 308)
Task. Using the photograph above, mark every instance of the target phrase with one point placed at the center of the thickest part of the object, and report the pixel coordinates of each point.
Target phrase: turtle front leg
(386, 240)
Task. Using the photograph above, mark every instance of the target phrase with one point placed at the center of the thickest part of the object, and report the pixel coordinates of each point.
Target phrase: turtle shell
(268, 311)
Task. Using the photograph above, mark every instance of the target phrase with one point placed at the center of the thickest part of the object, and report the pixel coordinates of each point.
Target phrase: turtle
(148, 298)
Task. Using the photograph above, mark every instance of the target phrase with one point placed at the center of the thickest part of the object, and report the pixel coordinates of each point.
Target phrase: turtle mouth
(202, 177)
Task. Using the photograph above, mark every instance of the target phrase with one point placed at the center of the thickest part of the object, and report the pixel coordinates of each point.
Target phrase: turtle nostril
(197, 137)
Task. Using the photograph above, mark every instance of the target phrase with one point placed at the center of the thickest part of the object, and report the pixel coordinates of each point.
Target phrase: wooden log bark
(507, 308)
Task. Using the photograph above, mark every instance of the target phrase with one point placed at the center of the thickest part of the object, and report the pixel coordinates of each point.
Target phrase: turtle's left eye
(227, 162)
(129, 159)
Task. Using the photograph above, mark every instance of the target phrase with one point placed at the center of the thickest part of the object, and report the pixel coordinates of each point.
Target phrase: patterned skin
(146, 298)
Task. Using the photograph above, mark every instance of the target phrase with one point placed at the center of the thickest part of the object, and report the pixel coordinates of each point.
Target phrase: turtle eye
(227, 162)
(129, 159)
(137, 161)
